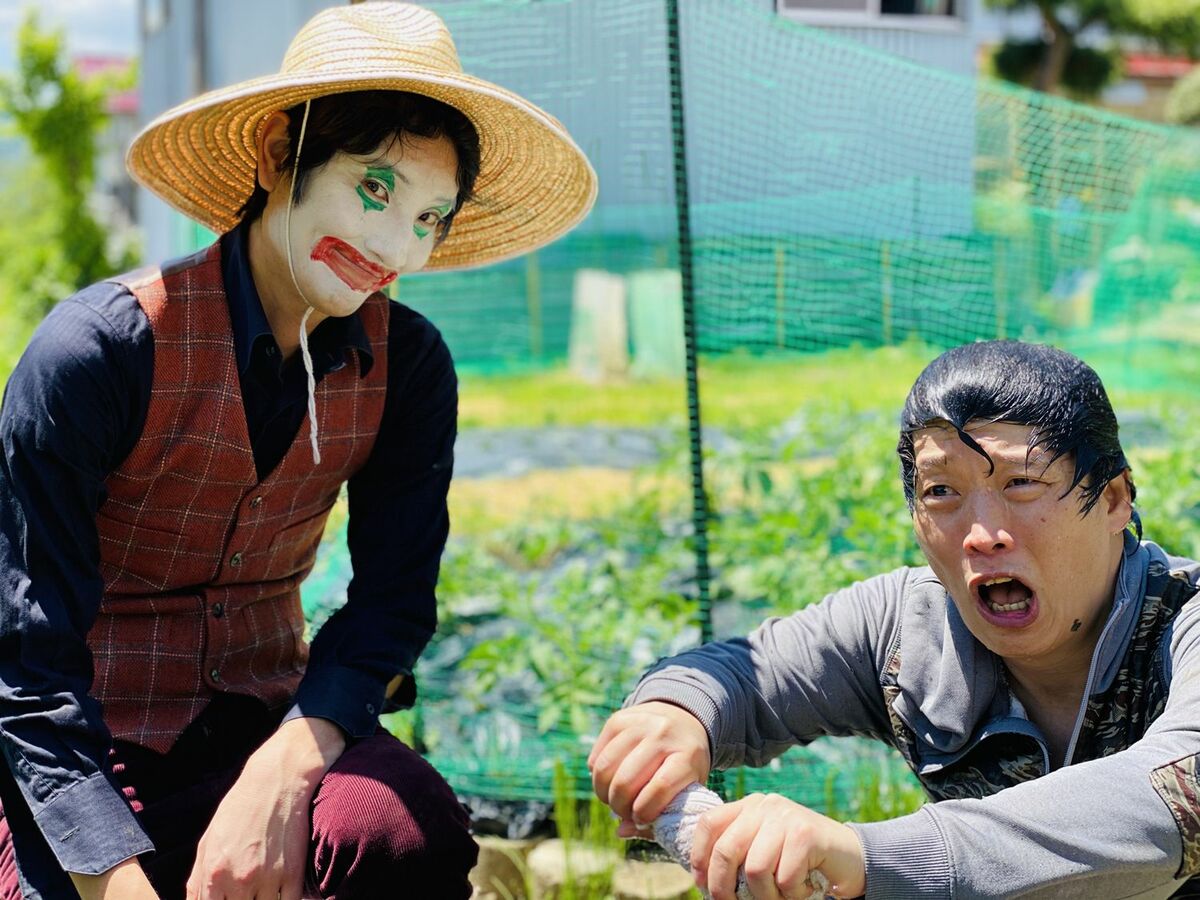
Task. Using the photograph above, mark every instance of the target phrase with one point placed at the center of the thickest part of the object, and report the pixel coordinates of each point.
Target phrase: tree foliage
(1173, 24)
(50, 242)
(1055, 60)
(1183, 104)
(1085, 72)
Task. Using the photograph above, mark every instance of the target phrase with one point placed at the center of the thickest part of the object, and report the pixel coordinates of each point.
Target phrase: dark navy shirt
(73, 409)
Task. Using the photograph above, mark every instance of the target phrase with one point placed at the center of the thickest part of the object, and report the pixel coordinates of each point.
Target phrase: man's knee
(383, 816)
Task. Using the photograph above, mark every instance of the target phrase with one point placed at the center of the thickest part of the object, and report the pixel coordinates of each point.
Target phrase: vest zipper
(1087, 692)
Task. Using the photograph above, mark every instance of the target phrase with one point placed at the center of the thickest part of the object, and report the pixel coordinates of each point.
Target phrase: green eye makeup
(442, 211)
(387, 176)
(383, 176)
(368, 202)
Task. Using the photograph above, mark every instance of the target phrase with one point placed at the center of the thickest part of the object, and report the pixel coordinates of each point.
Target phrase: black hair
(358, 122)
(1054, 393)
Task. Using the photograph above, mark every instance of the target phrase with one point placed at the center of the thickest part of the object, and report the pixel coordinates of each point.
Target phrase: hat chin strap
(308, 365)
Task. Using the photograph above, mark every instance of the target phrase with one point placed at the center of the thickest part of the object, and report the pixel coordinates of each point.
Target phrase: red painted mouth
(354, 269)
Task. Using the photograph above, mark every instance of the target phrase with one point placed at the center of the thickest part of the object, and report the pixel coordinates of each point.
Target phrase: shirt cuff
(346, 697)
(906, 858)
(90, 827)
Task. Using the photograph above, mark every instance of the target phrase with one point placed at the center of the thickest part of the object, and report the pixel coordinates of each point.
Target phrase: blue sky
(91, 26)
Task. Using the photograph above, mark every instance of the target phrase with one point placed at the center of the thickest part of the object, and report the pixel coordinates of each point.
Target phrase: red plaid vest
(201, 561)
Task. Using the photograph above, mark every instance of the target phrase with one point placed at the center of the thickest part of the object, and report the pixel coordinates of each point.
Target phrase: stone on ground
(500, 872)
(635, 880)
(553, 864)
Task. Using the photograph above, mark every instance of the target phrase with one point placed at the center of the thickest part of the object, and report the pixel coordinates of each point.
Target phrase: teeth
(1009, 607)
(1003, 607)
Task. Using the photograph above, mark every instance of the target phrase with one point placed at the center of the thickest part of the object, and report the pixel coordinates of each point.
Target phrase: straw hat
(534, 183)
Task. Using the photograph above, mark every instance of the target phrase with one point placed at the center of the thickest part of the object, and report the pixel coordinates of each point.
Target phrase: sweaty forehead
(939, 446)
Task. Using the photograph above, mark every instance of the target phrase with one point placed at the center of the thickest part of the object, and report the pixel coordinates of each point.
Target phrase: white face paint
(364, 220)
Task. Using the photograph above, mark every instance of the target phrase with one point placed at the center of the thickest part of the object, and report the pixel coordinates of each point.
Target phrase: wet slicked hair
(358, 122)
(1057, 395)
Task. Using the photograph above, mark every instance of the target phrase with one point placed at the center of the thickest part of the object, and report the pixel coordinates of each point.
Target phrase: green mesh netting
(840, 198)
(839, 195)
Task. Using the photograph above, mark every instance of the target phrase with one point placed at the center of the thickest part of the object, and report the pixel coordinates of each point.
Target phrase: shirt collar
(251, 330)
(948, 679)
(1127, 608)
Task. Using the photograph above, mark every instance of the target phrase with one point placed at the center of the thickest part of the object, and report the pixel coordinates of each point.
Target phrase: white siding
(952, 51)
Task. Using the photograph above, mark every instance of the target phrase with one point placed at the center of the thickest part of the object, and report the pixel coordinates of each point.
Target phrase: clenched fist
(645, 755)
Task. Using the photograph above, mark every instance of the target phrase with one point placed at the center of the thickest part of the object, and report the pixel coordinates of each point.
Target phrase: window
(924, 14)
(801, 6)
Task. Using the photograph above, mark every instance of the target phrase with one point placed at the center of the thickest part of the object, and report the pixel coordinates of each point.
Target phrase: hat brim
(534, 183)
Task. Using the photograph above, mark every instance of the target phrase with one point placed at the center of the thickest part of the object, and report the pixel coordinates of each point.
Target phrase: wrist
(854, 883)
(305, 746)
(125, 880)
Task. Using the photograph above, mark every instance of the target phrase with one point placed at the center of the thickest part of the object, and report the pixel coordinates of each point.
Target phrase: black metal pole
(683, 212)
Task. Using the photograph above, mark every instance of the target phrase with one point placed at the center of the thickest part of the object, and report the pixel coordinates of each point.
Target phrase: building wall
(240, 40)
(951, 49)
(605, 77)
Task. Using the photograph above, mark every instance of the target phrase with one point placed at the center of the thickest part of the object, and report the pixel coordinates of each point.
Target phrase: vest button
(215, 675)
(236, 559)
(218, 610)
(256, 502)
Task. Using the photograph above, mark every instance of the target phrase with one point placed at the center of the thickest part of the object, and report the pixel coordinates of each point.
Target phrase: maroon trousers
(382, 818)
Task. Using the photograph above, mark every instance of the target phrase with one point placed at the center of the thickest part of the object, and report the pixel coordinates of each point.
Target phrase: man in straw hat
(174, 440)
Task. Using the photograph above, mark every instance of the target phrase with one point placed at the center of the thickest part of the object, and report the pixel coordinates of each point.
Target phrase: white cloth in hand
(675, 829)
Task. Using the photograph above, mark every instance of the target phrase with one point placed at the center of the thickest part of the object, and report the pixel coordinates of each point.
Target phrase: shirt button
(215, 675)
(236, 559)
(256, 502)
(218, 610)
(371, 708)
(270, 349)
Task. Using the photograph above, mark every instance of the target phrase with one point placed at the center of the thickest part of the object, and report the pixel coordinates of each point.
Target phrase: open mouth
(356, 271)
(1007, 600)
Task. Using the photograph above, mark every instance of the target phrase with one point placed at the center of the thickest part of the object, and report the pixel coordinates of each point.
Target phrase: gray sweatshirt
(890, 658)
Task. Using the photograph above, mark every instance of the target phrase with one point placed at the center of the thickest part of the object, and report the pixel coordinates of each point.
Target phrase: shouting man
(1039, 676)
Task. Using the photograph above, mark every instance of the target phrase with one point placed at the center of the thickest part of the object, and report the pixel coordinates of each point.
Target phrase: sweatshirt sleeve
(1125, 825)
(815, 672)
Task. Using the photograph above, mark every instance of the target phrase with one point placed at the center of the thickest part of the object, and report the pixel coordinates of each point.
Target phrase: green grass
(741, 391)
(736, 391)
(594, 576)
